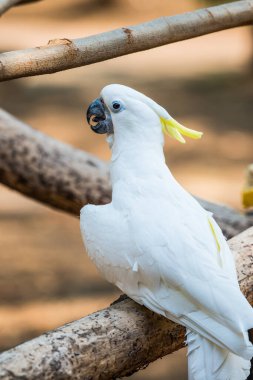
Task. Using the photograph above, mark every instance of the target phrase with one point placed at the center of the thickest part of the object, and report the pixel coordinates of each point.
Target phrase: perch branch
(113, 342)
(63, 54)
(5, 5)
(49, 171)
(58, 175)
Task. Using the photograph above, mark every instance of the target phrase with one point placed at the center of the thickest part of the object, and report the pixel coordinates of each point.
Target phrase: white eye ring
(117, 106)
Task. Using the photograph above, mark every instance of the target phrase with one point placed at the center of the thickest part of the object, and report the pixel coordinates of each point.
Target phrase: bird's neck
(137, 161)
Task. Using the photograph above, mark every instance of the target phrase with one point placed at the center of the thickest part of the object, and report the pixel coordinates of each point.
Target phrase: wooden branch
(63, 54)
(113, 342)
(5, 5)
(49, 171)
(58, 175)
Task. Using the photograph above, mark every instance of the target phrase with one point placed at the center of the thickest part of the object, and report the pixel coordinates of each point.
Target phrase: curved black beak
(99, 118)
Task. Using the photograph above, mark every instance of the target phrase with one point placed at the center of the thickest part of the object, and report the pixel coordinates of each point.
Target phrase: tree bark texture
(113, 342)
(62, 54)
(48, 170)
(58, 175)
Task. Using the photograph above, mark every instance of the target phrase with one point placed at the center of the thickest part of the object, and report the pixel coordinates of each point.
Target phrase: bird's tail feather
(210, 362)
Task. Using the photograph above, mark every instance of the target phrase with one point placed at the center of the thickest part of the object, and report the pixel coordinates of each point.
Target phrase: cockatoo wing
(105, 232)
(184, 278)
(190, 279)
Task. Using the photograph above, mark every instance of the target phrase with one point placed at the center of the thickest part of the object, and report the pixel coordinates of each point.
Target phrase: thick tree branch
(113, 342)
(66, 178)
(49, 171)
(63, 54)
(5, 5)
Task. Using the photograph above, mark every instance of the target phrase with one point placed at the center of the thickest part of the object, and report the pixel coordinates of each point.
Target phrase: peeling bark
(58, 175)
(113, 342)
(84, 51)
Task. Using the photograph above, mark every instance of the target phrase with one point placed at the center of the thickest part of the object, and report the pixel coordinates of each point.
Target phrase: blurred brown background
(46, 278)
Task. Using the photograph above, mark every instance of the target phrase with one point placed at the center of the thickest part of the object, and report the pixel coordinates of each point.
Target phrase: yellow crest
(174, 129)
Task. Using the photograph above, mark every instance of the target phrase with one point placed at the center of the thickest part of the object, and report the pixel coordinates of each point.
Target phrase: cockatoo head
(122, 111)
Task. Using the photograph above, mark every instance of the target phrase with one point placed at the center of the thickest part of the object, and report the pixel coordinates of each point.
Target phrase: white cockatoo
(158, 245)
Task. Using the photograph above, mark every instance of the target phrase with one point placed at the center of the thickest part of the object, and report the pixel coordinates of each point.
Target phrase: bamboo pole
(62, 54)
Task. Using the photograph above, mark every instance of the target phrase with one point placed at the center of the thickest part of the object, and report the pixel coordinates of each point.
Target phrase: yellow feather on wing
(214, 233)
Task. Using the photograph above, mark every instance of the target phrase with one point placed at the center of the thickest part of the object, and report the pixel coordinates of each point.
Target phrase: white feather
(208, 361)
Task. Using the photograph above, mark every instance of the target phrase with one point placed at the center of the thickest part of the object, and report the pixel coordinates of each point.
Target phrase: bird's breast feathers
(137, 238)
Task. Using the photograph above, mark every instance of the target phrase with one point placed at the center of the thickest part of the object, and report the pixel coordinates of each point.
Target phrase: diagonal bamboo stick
(63, 54)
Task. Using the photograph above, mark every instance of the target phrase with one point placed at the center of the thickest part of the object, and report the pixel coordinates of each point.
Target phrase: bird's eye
(117, 106)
